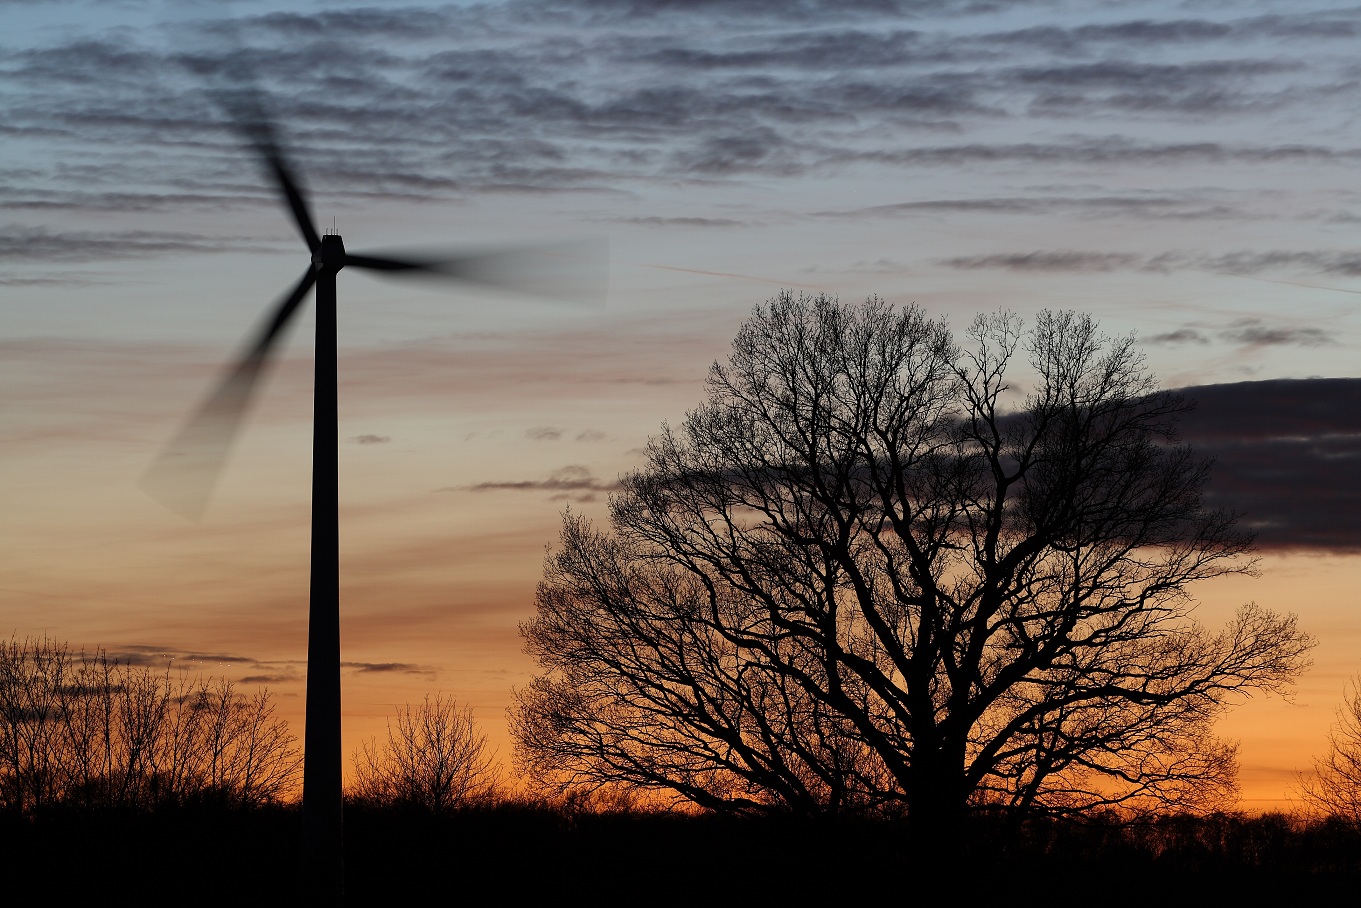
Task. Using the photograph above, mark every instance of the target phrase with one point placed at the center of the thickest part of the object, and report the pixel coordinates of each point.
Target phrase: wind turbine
(183, 475)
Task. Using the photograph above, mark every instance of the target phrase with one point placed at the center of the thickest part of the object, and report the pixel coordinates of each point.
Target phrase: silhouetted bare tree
(865, 573)
(1334, 788)
(434, 759)
(85, 730)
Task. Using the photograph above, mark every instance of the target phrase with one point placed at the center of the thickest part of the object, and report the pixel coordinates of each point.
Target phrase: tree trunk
(937, 802)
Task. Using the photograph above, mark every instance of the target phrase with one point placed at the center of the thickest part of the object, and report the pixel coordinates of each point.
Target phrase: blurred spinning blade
(183, 476)
(570, 271)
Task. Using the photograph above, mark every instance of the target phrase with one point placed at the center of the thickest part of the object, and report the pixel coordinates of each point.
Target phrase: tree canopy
(868, 572)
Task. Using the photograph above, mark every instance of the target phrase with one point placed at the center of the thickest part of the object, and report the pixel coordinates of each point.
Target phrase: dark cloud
(1026, 205)
(543, 433)
(378, 668)
(40, 199)
(1347, 263)
(1179, 336)
(1153, 34)
(573, 479)
(1117, 87)
(412, 22)
(1048, 261)
(1344, 263)
(848, 49)
(1275, 409)
(758, 149)
(371, 439)
(784, 11)
(682, 222)
(216, 657)
(1187, 206)
(37, 244)
(1254, 332)
(196, 662)
(1129, 76)
(1102, 151)
(270, 679)
(1070, 42)
(1287, 453)
(142, 655)
(769, 89)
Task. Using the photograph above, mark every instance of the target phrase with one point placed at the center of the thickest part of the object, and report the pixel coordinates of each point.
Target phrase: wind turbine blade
(289, 187)
(576, 271)
(282, 314)
(183, 475)
(246, 106)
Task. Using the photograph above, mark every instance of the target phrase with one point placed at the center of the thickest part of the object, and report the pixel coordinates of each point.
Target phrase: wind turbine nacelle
(331, 254)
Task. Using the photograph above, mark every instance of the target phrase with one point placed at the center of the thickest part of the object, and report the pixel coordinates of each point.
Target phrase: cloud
(1100, 151)
(769, 89)
(777, 12)
(1047, 261)
(1112, 86)
(160, 656)
(1286, 455)
(38, 244)
(194, 663)
(216, 657)
(142, 656)
(1345, 263)
(1253, 332)
(682, 222)
(543, 433)
(1180, 206)
(52, 281)
(573, 479)
(371, 439)
(379, 668)
(271, 679)
(1179, 336)
(1087, 39)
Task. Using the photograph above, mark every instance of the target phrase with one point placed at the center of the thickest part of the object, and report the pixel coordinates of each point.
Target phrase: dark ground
(210, 855)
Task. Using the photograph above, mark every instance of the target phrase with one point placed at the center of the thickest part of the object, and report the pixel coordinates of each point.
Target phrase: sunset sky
(1189, 171)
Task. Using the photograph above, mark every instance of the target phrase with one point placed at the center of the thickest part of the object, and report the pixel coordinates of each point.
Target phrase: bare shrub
(433, 759)
(85, 730)
(1334, 788)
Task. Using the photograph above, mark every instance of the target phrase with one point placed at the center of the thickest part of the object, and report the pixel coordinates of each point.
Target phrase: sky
(1186, 171)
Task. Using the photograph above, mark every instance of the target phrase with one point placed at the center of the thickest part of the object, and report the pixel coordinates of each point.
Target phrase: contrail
(1270, 280)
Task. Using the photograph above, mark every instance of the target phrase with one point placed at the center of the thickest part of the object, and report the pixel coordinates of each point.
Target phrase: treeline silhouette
(517, 850)
(80, 729)
(110, 767)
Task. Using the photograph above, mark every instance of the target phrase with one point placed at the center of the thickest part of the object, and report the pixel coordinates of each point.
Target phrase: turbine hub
(331, 255)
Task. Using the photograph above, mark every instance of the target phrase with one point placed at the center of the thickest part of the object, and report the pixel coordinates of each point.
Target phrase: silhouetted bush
(433, 759)
(1334, 787)
(83, 730)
